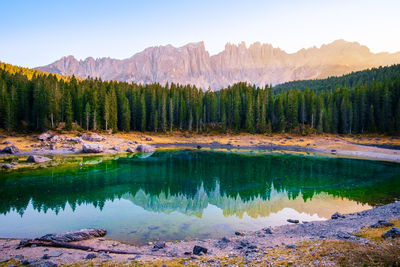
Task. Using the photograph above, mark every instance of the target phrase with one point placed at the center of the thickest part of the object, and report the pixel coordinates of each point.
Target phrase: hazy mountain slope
(259, 64)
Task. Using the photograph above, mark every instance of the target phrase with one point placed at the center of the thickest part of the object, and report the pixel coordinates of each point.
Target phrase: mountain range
(258, 64)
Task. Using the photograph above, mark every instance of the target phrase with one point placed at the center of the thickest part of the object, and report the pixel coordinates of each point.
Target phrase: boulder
(130, 150)
(116, 148)
(159, 245)
(7, 166)
(337, 215)
(72, 236)
(393, 233)
(292, 221)
(74, 139)
(10, 150)
(93, 137)
(55, 139)
(44, 136)
(197, 250)
(52, 147)
(7, 143)
(92, 148)
(90, 256)
(149, 139)
(37, 159)
(145, 148)
(381, 223)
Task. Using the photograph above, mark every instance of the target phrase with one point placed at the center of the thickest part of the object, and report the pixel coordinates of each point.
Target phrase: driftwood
(62, 240)
(56, 244)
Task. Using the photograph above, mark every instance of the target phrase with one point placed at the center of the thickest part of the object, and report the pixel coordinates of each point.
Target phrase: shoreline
(253, 246)
(371, 148)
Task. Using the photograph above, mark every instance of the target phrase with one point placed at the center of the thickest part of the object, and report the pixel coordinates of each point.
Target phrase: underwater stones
(292, 221)
(145, 148)
(198, 250)
(337, 215)
(381, 223)
(92, 148)
(71, 236)
(393, 233)
(37, 159)
(10, 150)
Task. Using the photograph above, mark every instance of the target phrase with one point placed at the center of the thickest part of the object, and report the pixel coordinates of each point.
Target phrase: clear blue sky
(34, 33)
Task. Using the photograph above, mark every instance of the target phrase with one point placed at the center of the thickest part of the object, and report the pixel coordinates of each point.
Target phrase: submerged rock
(145, 148)
(37, 159)
(92, 148)
(71, 236)
(393, 233)
(197, 250)
(10, 150)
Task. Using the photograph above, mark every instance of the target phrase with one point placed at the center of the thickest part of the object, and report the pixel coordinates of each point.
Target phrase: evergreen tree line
(351, 80)
(34, 101)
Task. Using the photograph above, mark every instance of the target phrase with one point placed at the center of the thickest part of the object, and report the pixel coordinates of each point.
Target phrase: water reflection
(209, 193)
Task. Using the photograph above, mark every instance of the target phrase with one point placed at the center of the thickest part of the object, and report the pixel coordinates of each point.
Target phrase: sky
(36, 33)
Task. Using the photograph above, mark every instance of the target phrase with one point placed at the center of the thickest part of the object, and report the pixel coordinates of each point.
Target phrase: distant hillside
(259, 64)
(351, 80)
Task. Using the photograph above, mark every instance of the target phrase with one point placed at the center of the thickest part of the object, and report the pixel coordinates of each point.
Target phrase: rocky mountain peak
(257, 63)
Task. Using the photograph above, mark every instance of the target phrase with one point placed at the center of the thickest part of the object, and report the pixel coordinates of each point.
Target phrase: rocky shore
(252, 247)
(50, 144)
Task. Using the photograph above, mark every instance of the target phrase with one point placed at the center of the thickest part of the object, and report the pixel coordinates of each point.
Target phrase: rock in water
(197, 250)
(381, 223)
(293, 221)
(393, 233)
(37, 159)
(145, 148)
(92, 148)
(71, 236)
(10, 150)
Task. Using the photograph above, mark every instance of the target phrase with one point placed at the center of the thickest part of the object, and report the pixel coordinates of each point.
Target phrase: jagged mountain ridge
(258, 64)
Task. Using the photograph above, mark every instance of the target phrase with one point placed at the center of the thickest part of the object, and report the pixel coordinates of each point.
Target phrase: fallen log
(56, 244)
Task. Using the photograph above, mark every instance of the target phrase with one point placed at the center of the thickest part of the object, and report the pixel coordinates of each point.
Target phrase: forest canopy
(362, 102)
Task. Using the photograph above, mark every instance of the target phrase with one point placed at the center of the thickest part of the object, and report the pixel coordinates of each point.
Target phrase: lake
(190, 194)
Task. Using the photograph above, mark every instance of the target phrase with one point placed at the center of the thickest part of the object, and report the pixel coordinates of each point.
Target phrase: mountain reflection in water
(184, 192)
